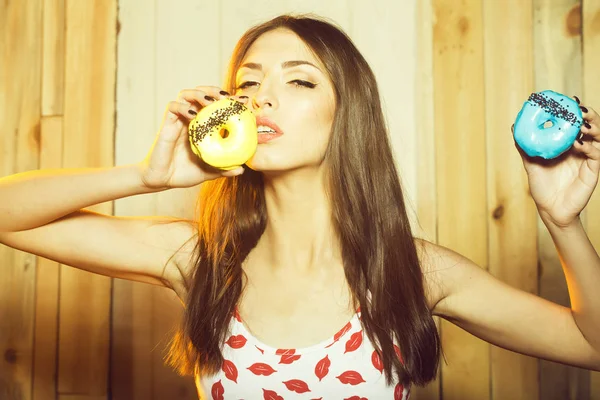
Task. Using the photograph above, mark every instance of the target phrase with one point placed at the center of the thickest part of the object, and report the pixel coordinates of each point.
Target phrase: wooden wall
(85, 83)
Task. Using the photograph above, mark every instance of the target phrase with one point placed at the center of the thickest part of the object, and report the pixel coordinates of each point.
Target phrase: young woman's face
(288, 86)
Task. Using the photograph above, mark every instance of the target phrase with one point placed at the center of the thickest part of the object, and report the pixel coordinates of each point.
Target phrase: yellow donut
(224, 134)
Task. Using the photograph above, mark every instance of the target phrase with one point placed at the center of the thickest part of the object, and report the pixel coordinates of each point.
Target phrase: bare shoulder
(437, 264)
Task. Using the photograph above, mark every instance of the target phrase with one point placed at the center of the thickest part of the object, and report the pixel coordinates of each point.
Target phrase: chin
(277, 161)
(265, 161)
(267, 166)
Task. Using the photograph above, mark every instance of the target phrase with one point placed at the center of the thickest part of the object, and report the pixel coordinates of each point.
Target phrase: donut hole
(224, 133)
(548, 124)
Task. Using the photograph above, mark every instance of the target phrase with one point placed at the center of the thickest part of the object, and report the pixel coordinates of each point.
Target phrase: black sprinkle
(553, 107)
(217, 118)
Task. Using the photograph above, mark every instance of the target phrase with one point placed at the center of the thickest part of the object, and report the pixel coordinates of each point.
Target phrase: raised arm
(520, 321)
(43, 212)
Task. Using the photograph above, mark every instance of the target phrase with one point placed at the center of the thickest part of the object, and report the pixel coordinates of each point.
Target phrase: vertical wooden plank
(132, 337)
(512, 213)
(53, 57)
(393, 61)
(20, 109)
(426, 198)
(48, 272)
(591, 95)
(47, 282)
(557, 44)
(88, 142)
(461, 177)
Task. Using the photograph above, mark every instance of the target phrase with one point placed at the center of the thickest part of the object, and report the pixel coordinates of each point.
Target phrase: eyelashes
(299, 82)
(295, 82)
(246, 85)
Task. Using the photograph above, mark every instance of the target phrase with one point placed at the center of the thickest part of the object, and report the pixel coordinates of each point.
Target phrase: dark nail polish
(577, 100)
(209, 98)
(224, 93)
(192, 112)
(583, 109)
(587, 125)
(243, 97)
(580, 141)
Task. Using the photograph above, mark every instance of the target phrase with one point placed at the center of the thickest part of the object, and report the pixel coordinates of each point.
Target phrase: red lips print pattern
(346, 366)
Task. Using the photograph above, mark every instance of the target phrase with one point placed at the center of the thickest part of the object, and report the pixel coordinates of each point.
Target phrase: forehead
(277, 46)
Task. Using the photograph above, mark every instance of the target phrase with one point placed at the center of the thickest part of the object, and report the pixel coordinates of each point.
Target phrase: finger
(591, 124)
(586, 147)
(241, 99)
(234, 172)
(198, 98)
(589, 114)
(180, 110)
(214, 91)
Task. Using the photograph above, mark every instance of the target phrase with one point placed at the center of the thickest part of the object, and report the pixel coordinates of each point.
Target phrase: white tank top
(344, 366)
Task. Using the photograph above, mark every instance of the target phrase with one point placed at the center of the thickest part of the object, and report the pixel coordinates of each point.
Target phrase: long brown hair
(369, 217)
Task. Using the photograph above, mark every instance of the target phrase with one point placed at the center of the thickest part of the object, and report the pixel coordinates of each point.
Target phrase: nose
(264, 98)
(262, 102)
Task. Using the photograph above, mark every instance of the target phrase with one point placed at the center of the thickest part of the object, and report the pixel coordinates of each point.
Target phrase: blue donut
(532, 133)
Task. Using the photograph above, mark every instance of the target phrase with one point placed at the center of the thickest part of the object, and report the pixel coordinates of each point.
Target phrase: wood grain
(53, 82)
(461, 178)
(512, 214)
(88, 142)
(20, 104)
(47, 282)
(132, 367)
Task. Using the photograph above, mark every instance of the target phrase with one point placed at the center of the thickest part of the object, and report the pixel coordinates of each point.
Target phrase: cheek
(314, 119)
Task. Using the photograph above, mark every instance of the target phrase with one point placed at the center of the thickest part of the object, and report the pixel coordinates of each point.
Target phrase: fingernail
(224, 93)
(587, 125)
(209, 98)
(243, 97)
(580, 141)
(577, 99)
(583, 109)
(192, 112)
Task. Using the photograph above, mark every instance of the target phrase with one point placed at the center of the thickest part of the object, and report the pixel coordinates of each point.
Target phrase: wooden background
(84, 83)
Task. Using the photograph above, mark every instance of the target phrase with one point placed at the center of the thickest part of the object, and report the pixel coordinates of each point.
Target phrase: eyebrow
(286, 64)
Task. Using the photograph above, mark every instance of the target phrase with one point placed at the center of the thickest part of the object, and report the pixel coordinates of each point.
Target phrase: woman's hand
(171, 163)
(562, 187)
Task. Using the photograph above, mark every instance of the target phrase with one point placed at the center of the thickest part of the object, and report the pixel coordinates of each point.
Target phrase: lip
(265, 137)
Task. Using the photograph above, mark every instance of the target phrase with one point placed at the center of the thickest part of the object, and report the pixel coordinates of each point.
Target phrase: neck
(299, 235)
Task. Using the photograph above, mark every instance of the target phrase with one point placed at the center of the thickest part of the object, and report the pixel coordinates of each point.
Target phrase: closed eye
(295, 82)
(299, 82)
(246, 84)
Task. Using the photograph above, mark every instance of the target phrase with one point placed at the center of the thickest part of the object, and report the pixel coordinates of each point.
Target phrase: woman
(301, 275)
